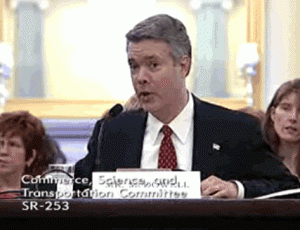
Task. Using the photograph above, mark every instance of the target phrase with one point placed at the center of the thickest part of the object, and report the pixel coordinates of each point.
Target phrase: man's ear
(31, 159)
(185, 65)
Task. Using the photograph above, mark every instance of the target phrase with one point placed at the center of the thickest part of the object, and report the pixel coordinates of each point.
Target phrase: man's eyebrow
(152, 57)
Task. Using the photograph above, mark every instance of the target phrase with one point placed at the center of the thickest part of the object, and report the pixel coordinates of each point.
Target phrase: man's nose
(143, 76)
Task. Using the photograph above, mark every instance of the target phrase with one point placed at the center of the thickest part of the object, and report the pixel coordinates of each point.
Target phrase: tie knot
(167, 131)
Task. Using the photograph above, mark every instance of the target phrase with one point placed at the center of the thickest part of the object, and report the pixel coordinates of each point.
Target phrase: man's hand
(214, 187)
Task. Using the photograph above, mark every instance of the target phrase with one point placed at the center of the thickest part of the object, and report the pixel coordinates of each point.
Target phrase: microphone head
(116, 110)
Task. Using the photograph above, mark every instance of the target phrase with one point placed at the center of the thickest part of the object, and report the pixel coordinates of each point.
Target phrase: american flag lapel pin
(216, 146)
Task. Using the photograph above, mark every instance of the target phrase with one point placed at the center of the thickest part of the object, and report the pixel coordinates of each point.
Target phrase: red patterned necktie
(167, 155)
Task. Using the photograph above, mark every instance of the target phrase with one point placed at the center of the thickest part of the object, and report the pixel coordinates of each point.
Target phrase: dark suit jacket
(243, 155)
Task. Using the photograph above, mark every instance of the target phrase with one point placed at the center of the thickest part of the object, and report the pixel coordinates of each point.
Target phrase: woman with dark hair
(282, 125)
(22, 149)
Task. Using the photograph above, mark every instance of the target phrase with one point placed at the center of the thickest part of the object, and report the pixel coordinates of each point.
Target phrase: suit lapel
(134, 128)
(133, 143)
(202, 149)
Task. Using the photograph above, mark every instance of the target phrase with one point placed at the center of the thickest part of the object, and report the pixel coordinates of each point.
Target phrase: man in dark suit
(176, 130)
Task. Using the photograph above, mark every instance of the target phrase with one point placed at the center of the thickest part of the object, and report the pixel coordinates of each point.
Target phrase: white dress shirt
(182, 138)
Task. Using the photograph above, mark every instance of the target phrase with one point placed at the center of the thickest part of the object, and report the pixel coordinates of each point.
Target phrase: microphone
(113, 112)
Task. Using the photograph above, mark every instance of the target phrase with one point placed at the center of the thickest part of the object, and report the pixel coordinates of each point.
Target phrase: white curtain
(210, 80)
(29, 43)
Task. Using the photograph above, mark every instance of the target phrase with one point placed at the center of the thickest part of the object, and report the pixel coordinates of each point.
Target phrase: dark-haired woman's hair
(268, 128)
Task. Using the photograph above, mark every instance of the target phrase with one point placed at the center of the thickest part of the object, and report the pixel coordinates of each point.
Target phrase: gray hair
(163, 27)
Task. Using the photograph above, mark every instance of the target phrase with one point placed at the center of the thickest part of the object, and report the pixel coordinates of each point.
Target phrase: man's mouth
(3, 161)
(144, 95)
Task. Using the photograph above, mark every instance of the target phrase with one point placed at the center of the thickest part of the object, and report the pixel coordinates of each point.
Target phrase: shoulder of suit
(213, 110)
(129, 117)
(133, 113)
(125, 114)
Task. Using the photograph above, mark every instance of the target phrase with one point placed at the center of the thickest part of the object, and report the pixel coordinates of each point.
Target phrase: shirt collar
(180, 125)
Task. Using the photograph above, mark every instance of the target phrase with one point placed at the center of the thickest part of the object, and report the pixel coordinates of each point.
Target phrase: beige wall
(85, 54)
(1, 19)
(8, 37)
(282, 48)
(86, 58)
(296, 39)
(237, 35)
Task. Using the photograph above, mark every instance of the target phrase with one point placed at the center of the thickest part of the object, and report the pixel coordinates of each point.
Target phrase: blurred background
(65, 60)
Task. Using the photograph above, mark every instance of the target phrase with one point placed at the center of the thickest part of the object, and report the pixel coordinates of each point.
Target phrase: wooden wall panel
(256, 34)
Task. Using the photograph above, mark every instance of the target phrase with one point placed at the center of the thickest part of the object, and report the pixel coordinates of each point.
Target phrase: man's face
(286, 118)
(158, 80)
(12, 155)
